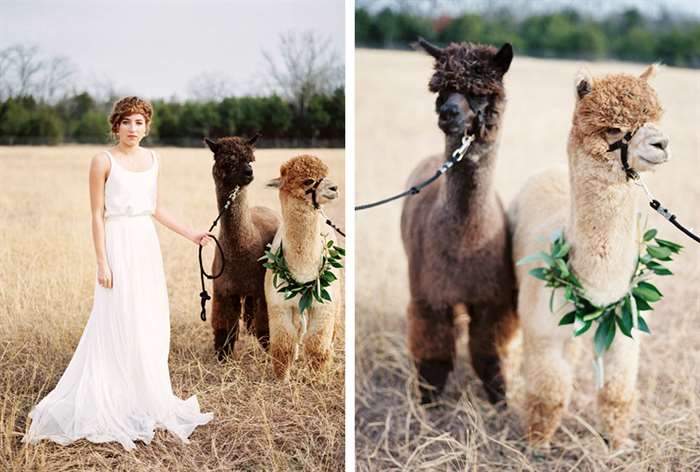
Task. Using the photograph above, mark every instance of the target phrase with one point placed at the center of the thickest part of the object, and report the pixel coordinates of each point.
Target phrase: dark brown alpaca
(244, 232)
(455, 232)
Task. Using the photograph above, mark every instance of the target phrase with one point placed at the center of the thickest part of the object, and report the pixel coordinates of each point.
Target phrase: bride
(117, 385)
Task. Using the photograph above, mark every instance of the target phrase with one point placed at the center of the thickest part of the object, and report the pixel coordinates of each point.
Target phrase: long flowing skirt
(117, 385)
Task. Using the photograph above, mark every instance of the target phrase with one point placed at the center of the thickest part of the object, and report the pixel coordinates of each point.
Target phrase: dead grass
(46, 282)
(396, 127)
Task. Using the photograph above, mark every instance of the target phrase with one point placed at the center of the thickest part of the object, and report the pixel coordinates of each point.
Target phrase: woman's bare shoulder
(100, 162)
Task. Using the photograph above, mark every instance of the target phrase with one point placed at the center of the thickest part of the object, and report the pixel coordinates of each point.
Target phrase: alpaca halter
(631, 174)
(317, 206)
(204, 296)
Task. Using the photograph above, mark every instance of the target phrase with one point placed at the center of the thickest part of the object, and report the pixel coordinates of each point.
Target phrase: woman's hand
(203, 238)
(104, 275)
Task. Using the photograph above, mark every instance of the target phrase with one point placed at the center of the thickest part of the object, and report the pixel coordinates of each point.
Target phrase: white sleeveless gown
(117, 385)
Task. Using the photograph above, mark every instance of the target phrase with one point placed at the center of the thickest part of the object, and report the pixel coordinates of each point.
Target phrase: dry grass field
(47, 272)
(397, 127)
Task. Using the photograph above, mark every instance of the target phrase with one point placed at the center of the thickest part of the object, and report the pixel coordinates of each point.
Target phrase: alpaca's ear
(431, 49)
(649, 72)
(503, 58)
(584, 83)
(212, 145)
(254, 139)
(276, 182)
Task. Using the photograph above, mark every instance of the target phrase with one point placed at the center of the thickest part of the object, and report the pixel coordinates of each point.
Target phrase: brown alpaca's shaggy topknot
(298, 169)
(129, 106)
(235, 146)
(620, 101)
(467, 68)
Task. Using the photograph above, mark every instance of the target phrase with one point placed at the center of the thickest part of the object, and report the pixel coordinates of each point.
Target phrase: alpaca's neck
(301, 238)
(236, 222)
(468, 185)
(602, 228)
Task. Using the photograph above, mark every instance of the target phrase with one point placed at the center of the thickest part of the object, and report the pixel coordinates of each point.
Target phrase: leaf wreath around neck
(313, 290)
(625, 312)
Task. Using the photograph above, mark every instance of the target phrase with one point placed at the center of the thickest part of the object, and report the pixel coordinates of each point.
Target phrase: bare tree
(305, 65)
(24, 72)
(209, 86)
(58, 78)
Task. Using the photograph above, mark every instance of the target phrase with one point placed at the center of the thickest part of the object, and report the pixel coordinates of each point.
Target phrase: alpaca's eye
(308, 181)
(612, 130)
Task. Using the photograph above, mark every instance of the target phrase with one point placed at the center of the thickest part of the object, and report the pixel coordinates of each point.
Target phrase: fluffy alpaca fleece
(244, 232)
(596, 207)
(455, 231)
(302, 244)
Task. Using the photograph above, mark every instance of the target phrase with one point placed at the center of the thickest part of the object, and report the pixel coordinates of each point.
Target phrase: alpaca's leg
(617, 397)
(249, 312)
(319, 338)
(282, 340)
(431, 340)
(262, 330)
(490, 329)
(226, 311)
(548, 382)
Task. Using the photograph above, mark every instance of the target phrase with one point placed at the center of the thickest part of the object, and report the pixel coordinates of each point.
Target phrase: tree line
(627, 35)
(40, 102)
(82, 119)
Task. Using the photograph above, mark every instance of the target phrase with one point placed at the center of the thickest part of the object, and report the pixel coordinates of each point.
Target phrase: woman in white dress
(117, 385)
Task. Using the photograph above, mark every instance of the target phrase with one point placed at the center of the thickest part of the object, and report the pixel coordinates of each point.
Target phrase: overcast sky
(156, 47)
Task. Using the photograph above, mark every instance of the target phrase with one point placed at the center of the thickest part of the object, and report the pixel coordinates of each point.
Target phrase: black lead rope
(204, 295)
(622, 145)
(456, 156)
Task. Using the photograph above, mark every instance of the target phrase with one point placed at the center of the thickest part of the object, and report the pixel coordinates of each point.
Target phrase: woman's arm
(99, 166)
(163, 216)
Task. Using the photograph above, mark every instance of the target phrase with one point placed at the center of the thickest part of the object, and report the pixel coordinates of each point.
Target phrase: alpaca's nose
(333, 188)
(449, 110)
(661, 144)
(248, 171)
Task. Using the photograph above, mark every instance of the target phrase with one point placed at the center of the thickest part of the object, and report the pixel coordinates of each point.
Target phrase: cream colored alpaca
(597, 208)
(302, 244)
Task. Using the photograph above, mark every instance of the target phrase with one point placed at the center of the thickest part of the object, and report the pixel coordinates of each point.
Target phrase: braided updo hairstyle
(129, 106)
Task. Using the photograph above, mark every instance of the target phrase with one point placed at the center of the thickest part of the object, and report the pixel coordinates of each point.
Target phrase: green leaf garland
(313, 290)
(557, 274)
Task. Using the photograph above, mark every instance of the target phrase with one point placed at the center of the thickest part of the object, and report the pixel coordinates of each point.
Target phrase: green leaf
(574, 280)
(647, 291)
(335, 264)
(642, 304)
(568, 319)
(551, 300)
(643, 325)
(305, 301)
(540, 256)
(604, 335)
(657, 268)
(659, 252)
(626, 321)
(569, 293)
(540, 273)
(592, 316)
(563, 270)
(562, 251)
(582, 328)
(325, 295)
(675, 248)
(649, 235)
(329, 244)
(340, 250)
